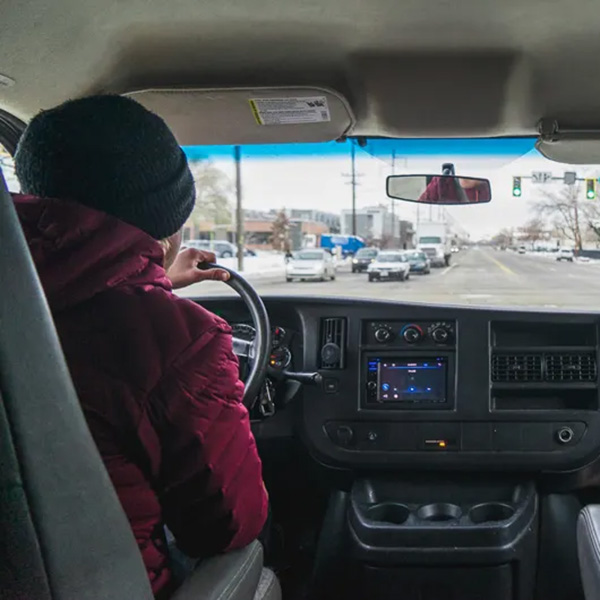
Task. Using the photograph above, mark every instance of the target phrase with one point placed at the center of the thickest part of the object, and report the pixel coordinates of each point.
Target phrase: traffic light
(516, 186)
(590, 189)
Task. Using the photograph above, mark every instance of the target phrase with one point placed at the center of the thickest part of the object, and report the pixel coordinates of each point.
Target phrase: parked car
(390, 264)
(565, 254)
(522, 250)
(418, 261)
(310, 264)
(363, 258)
(221, 248)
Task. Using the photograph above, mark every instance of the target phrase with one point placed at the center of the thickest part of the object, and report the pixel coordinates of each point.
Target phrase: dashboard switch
(383, 335)
(440, 335)
(412, 334)
(331, 385)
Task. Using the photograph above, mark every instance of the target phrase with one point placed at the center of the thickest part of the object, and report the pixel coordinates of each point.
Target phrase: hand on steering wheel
(185, 269)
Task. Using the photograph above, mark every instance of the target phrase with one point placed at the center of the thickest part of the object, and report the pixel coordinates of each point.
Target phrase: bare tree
(280, 236)
(504, 238)
(213, 189)
(533, 230)
(591, 211)
(566, 212)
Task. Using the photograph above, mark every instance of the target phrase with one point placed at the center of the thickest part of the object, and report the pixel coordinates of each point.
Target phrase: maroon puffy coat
(157, 380)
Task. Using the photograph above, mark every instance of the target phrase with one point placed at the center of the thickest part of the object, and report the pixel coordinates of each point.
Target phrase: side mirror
(439, 189)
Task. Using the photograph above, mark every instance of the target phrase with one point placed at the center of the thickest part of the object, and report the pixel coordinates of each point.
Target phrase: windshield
(370, 253)
(385, 257)
(416, 256)
(308, 256)
(297, 199)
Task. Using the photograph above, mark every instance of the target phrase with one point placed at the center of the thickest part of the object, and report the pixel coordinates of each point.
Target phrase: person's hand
(184, 271)
(469, 184)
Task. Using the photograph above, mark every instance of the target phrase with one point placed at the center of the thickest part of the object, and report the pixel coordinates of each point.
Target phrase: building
(331, 220)
(379, 226)
(258, 230)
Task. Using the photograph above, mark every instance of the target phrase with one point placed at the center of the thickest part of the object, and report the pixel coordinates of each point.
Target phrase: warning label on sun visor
(290, 111)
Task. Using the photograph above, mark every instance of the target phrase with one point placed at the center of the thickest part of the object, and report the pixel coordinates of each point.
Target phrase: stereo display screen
(410, 380)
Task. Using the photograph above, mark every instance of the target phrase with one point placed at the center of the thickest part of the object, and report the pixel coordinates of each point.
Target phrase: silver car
(310, 264)
(390, 264)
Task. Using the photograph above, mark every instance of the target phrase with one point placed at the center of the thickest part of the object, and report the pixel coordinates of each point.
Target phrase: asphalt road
(475, 277)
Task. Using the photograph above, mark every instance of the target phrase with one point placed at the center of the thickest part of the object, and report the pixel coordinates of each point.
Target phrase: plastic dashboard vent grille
(333, 331)
(571, 367)
(508, 368)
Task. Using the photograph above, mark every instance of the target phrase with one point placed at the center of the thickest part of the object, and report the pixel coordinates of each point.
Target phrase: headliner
(416, 68)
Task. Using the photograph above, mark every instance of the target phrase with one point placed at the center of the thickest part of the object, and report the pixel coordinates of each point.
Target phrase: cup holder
(491, 512)
(439, 512)
(389, 512)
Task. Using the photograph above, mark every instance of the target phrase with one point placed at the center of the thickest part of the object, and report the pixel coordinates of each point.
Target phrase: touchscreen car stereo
(407, 380)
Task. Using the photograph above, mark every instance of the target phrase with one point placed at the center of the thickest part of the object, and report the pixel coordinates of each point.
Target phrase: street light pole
(239, 213)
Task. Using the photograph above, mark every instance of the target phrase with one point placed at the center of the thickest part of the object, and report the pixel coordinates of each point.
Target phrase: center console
(467, 391)
(446, 540)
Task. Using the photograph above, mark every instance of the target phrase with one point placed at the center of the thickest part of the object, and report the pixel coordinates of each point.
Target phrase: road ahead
(475, 277)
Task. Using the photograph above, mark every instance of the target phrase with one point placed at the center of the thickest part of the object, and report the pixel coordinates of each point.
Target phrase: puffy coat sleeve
(211, 488)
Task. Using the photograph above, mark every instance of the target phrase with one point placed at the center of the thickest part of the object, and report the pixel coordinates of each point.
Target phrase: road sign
(541, 176)
(570, 177)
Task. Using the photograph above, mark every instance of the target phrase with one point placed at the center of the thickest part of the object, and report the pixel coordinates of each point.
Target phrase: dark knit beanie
(109, 153)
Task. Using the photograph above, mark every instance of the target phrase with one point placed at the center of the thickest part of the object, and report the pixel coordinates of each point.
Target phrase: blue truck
(350, 244)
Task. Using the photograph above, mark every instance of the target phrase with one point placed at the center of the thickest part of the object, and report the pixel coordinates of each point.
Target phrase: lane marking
(448, 269)
(501, 266)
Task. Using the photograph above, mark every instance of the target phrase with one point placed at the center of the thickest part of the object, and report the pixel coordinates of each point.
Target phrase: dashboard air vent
(333, 343)
(507, 368)
(571, 367)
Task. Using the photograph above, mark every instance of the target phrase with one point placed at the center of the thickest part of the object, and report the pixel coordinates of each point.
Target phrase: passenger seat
(588, 546)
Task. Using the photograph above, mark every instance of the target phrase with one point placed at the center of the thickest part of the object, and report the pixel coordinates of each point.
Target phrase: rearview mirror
(439, 189)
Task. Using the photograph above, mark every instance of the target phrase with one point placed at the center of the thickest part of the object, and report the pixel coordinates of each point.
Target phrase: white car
(565, 254)
(310, 264)
(390, 264)
(221, 248)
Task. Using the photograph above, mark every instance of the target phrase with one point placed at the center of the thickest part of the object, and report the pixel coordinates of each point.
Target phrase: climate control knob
(440, 335)
(412, 334)
(383, 335)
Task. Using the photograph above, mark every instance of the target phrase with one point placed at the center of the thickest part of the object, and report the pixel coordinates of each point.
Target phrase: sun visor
(238, 116)
(570, 146)
(575, 152)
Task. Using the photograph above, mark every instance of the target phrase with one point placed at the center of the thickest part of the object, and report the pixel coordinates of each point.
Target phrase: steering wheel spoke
(243, 348)
(256, 351)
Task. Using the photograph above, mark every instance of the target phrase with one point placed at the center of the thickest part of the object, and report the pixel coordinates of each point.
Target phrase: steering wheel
(257, 350)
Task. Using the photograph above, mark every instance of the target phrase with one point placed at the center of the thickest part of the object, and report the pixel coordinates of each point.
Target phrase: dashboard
(281, 355)
(427, 387)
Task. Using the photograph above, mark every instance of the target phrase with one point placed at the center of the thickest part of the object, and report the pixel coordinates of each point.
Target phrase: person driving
(107, 190)
(442, 190)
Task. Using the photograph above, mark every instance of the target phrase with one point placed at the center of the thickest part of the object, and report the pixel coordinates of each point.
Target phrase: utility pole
(239, 213)
(353, 176)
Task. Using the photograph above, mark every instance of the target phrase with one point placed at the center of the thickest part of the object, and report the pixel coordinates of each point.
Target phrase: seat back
(63, 533)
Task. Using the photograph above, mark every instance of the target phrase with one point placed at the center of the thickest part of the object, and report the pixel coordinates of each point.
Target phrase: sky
(317, 176)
